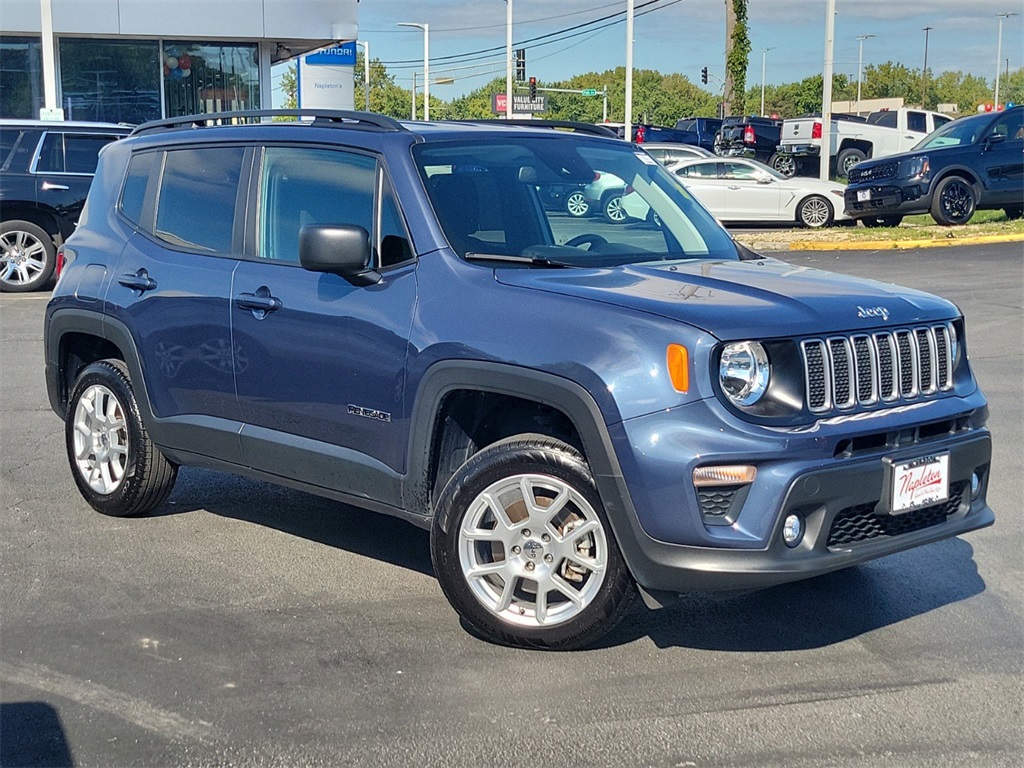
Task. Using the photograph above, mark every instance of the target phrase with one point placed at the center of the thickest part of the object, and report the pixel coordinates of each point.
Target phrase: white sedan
(737, 190)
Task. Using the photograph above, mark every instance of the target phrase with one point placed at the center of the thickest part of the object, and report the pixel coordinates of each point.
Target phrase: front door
(322, 390)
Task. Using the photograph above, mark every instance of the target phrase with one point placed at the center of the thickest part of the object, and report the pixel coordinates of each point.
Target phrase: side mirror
(995, 138)
(765, 179)
(340, 249)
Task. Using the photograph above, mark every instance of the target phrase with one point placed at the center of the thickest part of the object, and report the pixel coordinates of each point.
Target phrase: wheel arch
(862, 144)
(41, 217)
(962, 171)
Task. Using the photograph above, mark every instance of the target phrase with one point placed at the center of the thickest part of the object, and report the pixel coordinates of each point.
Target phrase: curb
(885, 245)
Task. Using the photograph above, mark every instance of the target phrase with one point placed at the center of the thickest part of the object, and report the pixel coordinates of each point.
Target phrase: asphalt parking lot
(246, 624)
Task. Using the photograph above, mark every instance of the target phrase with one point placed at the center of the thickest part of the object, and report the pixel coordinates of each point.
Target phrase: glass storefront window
(21, 77)
(110, 81)
(206, 77)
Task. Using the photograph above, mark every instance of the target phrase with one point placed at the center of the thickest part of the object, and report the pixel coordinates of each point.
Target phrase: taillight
(816, 131)
(596, 175)
(628, 191)
(61, 260)
(748, 135)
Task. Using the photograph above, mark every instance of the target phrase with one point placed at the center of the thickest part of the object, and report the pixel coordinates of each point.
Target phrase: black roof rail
(561, 125)
(336, 117)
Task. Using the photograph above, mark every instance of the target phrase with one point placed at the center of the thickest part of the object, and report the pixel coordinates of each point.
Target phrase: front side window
(917, 122)
(301, 186)
(492, 200)
(197, 198)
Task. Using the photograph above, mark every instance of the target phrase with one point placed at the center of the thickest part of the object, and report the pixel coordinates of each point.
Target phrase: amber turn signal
(738, 474)
(678, 359)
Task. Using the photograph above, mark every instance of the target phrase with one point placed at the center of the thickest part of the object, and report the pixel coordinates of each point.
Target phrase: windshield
(560, 199)
(966, 131)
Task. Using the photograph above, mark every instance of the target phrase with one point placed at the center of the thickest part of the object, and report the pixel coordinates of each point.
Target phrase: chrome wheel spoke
(100, 438)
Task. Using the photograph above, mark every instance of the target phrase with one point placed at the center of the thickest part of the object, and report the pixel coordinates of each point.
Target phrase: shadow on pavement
(31, 734)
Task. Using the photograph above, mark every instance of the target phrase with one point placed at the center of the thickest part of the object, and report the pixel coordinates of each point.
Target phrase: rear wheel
(846, 159)
(1013, 212)
(613, 210)
(27, 256)
(523, 550)
(116, 466)
(815, 212)
(953, 201)
(784, 164)
(882, 221)
(576, 204)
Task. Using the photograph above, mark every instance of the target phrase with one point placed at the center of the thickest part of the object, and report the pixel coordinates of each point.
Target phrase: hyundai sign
(326, 79)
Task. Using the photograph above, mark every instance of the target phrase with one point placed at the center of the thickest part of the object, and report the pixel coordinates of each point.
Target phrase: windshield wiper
(531, 260)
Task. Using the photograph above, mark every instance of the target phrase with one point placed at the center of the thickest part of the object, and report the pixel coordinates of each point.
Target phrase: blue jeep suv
(580, 412)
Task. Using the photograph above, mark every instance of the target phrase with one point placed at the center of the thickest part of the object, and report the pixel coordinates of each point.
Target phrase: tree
(737, 56)
(290, 88)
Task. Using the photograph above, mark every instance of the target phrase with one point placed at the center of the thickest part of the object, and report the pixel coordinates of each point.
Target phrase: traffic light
(533, 88)
(704, 75)
(520, 65)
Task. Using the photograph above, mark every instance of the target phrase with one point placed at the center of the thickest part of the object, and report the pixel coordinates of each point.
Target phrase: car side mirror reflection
(340, 249)
(995, 138)
(765, 179)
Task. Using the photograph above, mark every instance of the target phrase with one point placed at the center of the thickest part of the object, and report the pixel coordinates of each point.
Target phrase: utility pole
(826, 96)
(924, 72)
(628, 118)
(860, 64)
(730, 27)
(764, 56)
(999, 56)
(508, 59)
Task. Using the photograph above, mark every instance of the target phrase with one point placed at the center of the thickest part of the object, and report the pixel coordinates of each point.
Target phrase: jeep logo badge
(532, 548)
(867, 313)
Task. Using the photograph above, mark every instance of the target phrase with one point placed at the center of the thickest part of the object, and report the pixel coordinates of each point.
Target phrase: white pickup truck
(883, 133)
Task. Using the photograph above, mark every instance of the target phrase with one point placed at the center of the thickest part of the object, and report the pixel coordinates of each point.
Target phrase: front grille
(874, 173)
(860, 523)
(717, 502)
(844, 371)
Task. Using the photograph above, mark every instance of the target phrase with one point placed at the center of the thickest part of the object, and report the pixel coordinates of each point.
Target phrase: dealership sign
(326, 79)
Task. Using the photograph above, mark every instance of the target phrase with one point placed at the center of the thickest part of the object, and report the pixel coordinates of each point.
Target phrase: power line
(444, 30)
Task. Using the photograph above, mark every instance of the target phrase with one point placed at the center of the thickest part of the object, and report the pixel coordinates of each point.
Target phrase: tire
(784, 164)
(612, 209)
(846, 159)
(27, 256)
(815, 212)
(1013, 212)
(882, 221)
(653, 219)
(520, 550)
(953, 201)
(117, 468)
(576, 205)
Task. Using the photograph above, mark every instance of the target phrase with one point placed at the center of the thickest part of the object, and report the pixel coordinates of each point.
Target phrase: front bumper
(887, 199)
(673, 546)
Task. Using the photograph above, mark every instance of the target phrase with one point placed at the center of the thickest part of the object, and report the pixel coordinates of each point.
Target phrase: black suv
(45, 172)
(579, 411)
(969, 164)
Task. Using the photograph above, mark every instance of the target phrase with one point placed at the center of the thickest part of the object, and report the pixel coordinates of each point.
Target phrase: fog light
(975, 486)
(793, 530)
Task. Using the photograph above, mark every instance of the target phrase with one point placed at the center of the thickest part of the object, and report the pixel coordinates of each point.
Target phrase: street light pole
(999, 55)
(366, 73)
(508, 59)
(826, 95)
(628, 117)
(764, 56)
(924, 73)
(860, 64)
(426, 65)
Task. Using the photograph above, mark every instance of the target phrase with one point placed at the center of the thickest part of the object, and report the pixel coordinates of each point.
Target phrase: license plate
(920, 483)
(863, 195)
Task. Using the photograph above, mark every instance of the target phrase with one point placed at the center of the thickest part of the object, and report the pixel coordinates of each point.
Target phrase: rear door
(172, 288)
(1002, 160)
(701, 179)
(321, 393)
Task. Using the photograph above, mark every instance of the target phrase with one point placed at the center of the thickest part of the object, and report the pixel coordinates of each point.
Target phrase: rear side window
(196, 204)
(81, 152)
(140, 179)
(51, 155)
(917, 122)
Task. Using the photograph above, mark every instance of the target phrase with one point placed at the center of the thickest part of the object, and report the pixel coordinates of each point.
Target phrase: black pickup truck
(704, 130)
(748, 136)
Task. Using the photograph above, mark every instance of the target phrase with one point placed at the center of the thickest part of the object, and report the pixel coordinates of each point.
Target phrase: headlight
(917, 167)
(954, 344)
(744, 372)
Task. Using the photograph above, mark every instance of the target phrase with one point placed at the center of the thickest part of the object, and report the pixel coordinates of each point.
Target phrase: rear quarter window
(139, 191)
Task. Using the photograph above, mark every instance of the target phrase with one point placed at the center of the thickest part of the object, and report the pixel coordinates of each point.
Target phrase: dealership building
(136, 60)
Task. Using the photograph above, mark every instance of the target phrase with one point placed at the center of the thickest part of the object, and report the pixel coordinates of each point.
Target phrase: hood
(743, 299)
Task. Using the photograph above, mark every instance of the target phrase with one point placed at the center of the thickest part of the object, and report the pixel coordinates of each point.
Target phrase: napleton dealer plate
(920, 483)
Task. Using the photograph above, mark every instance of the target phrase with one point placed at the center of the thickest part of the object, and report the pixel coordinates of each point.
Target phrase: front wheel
(815, 212)
(784, 164)
(953, 201)
(873, 222)
(523, 550)
(27, 256)
(576, 205)
(116, 466)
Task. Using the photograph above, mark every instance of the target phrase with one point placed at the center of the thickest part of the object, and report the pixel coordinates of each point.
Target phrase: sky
(684, 35)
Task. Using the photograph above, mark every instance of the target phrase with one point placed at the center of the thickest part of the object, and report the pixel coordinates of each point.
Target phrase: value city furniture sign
(521, 102)
(326, 79)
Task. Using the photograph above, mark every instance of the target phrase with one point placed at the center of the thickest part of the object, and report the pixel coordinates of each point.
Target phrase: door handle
(140, 281)
(733, 186)
(49, 185)
(260, 303)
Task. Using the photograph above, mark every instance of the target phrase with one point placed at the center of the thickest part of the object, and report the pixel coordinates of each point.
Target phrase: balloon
(170, 62)
(184, 62)
(175, 74)
(988, 107)
(186, 72)
(167, 70)
(1010, 105)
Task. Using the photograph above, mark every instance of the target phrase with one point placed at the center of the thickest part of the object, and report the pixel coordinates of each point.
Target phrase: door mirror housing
(764, 178)
(995, 138)
(340, 249)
